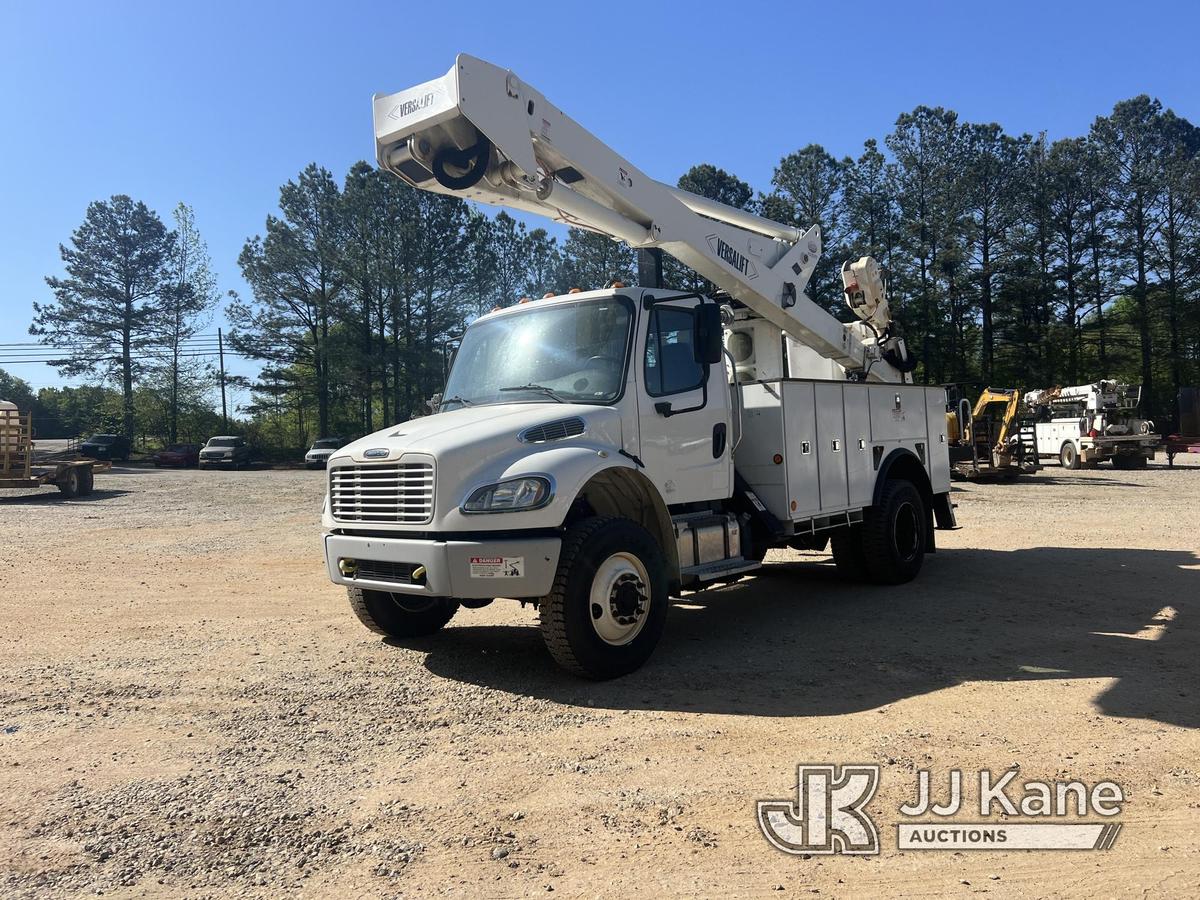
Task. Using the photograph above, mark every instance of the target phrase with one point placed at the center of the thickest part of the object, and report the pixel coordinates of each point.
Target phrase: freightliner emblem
(376, 453)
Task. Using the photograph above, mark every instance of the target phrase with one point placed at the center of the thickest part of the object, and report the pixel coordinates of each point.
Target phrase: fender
(903, 463)
(570, 466)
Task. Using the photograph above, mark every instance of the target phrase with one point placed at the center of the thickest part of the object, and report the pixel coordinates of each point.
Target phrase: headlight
(519, 494)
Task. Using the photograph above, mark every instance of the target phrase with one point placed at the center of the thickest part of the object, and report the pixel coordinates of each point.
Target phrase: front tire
(895, 534)
(401, 615)
(607, 608)
(1068, 456)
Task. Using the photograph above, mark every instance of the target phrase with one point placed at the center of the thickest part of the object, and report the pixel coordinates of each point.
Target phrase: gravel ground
(188, 707)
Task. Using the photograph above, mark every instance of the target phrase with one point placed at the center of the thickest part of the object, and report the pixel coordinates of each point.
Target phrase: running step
(720, 569)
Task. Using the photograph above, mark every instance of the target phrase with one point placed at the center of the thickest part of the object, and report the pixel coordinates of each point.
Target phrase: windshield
(327, 444)
(225, 442)
(572, 352)
(102, 438)
(179, 448)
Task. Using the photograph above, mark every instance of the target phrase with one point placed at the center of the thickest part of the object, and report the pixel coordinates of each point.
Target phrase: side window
(670, 362)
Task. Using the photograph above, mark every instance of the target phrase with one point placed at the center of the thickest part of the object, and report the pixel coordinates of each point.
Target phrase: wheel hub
(627, 600)
(620, 599)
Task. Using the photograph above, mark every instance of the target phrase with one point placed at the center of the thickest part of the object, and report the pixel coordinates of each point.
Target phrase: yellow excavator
(989, 440)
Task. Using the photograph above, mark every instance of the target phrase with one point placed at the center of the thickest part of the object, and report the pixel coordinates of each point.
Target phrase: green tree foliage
(108, 309)
(592, 261)
(1011, 259)
(808, 191)
(185, 307)
(296, 274)
(716, 184)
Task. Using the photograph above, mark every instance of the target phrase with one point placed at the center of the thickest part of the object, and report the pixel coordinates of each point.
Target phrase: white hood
(489, 429)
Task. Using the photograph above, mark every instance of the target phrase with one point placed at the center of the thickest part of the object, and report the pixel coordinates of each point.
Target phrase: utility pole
(221, 356)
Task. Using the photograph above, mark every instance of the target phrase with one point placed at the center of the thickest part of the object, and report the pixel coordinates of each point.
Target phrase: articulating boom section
(482, 134)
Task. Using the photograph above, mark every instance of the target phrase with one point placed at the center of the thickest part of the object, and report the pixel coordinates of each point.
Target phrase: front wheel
(607, 608)
(401, 615)
(895, 534)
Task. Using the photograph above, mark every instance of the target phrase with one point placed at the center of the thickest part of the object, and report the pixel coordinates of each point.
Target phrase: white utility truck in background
(599, 451)
(1088, 423)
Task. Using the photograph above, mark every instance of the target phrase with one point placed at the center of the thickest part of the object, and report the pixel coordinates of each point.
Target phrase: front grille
(400, 493)
(553, 431)
(378, 570)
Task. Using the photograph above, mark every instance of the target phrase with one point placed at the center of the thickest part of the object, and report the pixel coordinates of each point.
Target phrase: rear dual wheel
(890, 544)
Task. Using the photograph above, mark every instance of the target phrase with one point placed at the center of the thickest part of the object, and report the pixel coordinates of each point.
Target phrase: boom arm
(481, 133)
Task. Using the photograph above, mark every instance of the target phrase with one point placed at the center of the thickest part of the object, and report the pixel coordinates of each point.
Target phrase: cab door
(683, 407)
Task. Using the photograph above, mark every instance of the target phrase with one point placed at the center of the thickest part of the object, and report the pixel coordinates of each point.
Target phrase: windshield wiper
(456, 399)
(536, 389)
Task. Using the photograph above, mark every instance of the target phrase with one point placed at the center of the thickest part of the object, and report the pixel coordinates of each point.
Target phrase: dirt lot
(188, 707)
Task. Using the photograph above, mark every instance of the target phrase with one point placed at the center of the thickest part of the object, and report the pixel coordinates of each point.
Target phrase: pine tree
(108, 309)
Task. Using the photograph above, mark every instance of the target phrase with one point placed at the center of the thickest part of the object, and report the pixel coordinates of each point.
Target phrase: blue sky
(217, 104)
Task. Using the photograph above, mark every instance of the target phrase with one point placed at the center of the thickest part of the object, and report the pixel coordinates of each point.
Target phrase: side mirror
(709, 344)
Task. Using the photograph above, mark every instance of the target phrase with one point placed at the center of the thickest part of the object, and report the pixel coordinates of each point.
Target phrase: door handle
(718, 440)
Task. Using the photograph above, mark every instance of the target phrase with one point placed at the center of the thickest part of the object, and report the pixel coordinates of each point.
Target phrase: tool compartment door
(938, 454)
(860, 469)
(800, 431)
(831, 445)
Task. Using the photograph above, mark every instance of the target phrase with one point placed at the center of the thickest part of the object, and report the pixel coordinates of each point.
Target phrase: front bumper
(499, 567)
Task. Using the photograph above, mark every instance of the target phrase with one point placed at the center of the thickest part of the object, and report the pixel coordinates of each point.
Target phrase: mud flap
(943, 512)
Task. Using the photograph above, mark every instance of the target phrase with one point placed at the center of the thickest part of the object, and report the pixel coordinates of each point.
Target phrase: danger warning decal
(497, 566)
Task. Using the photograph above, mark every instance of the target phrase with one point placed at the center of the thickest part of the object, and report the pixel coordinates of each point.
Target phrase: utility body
(597, 452)
(1083, 425)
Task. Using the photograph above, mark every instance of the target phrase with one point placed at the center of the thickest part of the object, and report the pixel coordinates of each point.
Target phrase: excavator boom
(482, 134)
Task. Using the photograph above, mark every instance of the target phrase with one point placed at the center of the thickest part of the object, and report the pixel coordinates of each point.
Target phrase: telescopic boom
(480, 133)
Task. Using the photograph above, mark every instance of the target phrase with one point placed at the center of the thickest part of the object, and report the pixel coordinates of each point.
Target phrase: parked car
(106, 446)
(182, 455)
(225, 450)
(318, 455)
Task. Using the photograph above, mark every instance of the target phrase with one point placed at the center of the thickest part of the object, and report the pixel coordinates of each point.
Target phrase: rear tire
(400, 615)
(1068, 456)
(607, 608)
(87, 481)
(895, 534)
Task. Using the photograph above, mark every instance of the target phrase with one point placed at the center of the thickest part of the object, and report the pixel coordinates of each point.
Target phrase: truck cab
(583, 459)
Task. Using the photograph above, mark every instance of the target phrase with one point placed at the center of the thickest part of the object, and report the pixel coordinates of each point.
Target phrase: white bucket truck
(1085, 424)
(597, 452)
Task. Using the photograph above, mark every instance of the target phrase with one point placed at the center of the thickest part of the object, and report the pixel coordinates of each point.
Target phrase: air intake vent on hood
(552, 431)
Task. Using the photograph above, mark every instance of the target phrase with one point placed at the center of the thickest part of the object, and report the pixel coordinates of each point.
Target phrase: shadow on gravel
(1070, 478)
(53, 497)
(798, 641)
